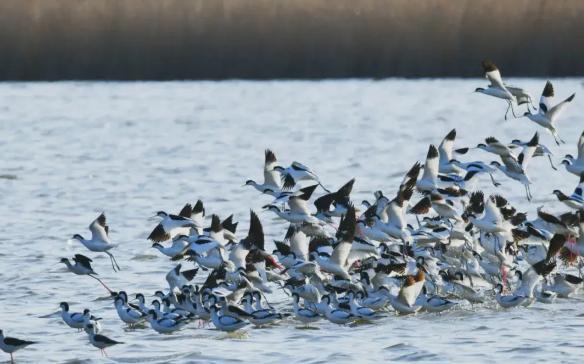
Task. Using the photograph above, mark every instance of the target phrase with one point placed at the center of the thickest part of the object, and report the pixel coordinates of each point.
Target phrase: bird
(336, 316)
(337, 263)
(177, 278)
(226, 322)
(100, 241)
(165, 325)
(498, 89)
(445, 151)
(340, 200)
(179, 244)
(548, 115)
(297, 172)
(170, 226)
(428, 182)
(515, 168)
(405, 301)
(128, 314)
(99, 341)
(510, 300)
(272, 179)
(10, 345)
(75, 320)
(82, 266)
(576, 165)
(576, 199)
(298, 212)
(303, 314)
(540, 151)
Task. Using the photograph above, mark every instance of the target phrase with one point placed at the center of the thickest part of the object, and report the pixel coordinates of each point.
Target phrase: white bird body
(226, 322)
(127, 314)
(165, 325)
(547, 115)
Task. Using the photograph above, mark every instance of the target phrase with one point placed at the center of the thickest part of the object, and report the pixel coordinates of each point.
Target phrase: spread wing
(555, 111)
(528, 151)
(546, 98)
(271, 176)
(493, 74)
(99, 228)
(446, 146)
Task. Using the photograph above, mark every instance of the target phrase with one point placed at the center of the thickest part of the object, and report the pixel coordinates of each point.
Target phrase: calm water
(71, 150)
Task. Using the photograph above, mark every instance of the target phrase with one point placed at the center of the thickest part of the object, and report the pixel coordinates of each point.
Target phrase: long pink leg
(504, 276)
(103, 284)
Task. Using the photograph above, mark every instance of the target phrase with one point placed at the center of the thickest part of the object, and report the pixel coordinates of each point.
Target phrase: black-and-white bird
(297, 172)
(429, 180)
(100, 241)
(339, 200)
(540, 151)
(272, 179)
(10, 345)
(576, 199)
(99, 341)
(548, 115)
(177, 278)
(83, 267)
(576, 165)
(170, 226)
(515, 168)
(498, 89)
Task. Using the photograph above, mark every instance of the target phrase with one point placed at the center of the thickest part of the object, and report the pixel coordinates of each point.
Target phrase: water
(72, 150)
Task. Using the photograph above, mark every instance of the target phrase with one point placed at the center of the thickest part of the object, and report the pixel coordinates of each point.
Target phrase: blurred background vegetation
(265, 39)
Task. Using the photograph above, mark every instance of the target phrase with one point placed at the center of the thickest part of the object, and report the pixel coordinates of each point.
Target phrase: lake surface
(71, 150)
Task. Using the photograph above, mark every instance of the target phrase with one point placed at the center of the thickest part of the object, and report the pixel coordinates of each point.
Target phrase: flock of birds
(341, 263)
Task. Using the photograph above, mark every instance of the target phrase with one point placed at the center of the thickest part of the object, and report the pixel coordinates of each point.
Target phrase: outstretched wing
(546, 98)
(528, 151)
(99, 229)
(555, 111)
(493, 74)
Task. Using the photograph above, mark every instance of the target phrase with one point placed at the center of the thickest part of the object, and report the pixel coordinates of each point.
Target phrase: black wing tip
(289, 182)
(432, 152)
(216, 223)
(489, 65)
(348, 224)
(256, 230)
(569, 99)
(190, 274)
(229, 225)
(548, 90)
(270, 156)
(307, 192)
(451, 135)
(346, 189)
(499, 200)
(158, 235)
(534, 142)
(491, 139)
(282, 247)
(186, 211)
(198, 207)
(544, 267)
(83, 257)
(324, 202)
